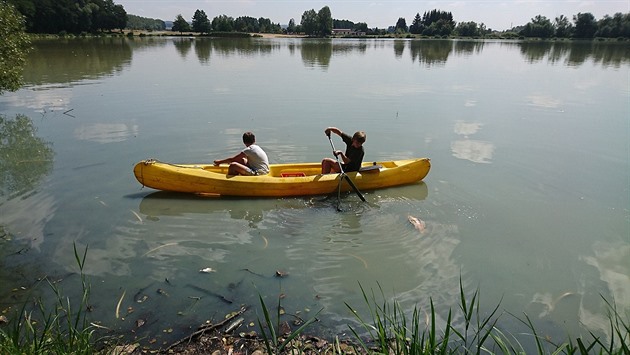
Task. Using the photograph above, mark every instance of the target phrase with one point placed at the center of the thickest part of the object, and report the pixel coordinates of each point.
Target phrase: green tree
(75, 16)
(361, 27)
(585, 25)
(223, 23)
(540, 27)
(469, 29)
(13, 48)
(614, 27)
(309, 22)
(291, 26)
(180, 25)
(401, 25)
(144, 23)
(246, 24)
(563, 26)
(416, 26)
(325, 22)
(200, 22)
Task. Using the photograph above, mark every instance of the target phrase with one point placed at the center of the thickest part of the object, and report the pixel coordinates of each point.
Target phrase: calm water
(527, 199)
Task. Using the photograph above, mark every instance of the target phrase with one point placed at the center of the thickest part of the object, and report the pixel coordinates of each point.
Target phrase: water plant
(390, 332)
(63, 330)
(274, 343)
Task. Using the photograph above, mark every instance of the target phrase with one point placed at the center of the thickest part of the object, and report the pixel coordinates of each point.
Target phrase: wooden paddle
(343, 173)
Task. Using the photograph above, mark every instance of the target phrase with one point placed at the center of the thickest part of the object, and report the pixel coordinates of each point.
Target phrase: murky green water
(528, 197)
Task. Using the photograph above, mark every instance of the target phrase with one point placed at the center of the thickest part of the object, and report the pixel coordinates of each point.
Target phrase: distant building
(346, 32)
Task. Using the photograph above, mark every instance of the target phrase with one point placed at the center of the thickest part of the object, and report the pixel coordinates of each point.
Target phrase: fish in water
(417, 223)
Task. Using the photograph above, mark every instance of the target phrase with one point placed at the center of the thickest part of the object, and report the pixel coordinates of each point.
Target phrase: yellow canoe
(283, 179)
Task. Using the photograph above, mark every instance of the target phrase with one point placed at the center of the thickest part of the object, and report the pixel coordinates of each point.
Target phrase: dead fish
(208, 270)
(417, 223)
(162, 292)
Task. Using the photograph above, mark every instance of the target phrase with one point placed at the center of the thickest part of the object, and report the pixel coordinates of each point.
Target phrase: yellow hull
(283, 179)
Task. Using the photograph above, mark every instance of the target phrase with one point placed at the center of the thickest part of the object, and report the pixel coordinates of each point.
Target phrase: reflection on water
(575, 53)
(24, 158)
(536, 227)
(71, 60)
(469, 149)
(79, 59)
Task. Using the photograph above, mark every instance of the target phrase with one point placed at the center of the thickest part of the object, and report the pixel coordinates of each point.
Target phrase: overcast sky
(495, 14)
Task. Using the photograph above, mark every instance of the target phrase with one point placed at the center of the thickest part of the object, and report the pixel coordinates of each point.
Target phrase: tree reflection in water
(24, 157)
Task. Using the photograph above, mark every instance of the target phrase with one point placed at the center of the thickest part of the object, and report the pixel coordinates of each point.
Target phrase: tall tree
(585, 25)
(291, 26)
(401, 25)
(180, 25)
(416, 25)
(223, 23)
(324, 19)
(200, 22)
(13, 48)
(309, 22)
(563, 27)
(540, 27)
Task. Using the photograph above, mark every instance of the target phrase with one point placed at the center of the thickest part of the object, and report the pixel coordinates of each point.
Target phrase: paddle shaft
(343, 173)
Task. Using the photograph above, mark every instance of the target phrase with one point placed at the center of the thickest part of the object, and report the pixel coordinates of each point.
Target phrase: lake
(527, 200)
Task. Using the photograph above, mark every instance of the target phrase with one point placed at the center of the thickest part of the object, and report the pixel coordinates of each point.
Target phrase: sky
(495, 14)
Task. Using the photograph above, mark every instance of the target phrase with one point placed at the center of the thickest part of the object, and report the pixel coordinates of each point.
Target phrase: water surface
(527, 198)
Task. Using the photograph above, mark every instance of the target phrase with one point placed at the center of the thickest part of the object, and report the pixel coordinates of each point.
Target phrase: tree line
(77, 16)
(71, 16)
(223, 23)
(584, 25)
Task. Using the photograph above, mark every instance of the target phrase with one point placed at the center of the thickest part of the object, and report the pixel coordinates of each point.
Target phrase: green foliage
(309, 22)
(273, 342)
(48, 16)
(401, 25)
(291, 27)
(62, 330)
(563, 27)
(180, 25)
(143, 23)
(325, 22)
(200, 22)
(392, 331)
(540, 27)
(470, 29)
(14, 47)
(585, 25)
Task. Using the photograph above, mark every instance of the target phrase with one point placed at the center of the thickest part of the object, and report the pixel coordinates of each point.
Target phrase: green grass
(63, 330)
(390, 332)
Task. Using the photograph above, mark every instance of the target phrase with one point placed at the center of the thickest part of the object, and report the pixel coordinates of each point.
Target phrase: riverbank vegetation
(94, 16)
(63, 326)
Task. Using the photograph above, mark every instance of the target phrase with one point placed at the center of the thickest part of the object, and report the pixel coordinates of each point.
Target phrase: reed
(391, 331)
(274, 343)
(63, 330)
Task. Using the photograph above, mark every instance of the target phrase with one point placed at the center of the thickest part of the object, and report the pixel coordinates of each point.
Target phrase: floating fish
(417, 223)
(208, 270)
